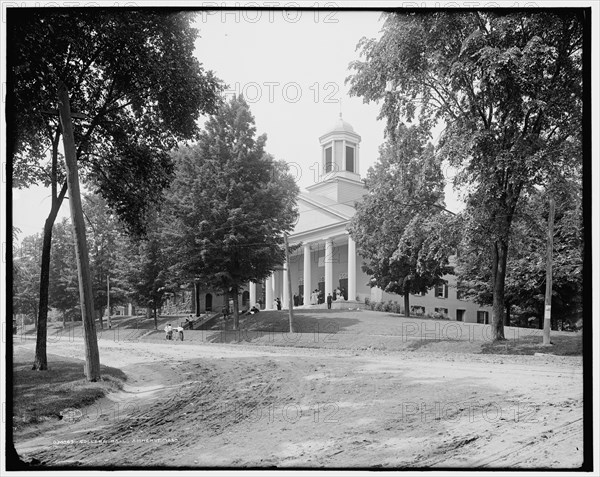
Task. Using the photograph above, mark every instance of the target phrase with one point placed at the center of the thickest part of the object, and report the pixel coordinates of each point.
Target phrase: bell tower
(339, 166)
(340, 151)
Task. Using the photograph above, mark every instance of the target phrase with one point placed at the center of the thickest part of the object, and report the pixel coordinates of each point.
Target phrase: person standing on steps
(329, 299)
(278, 303)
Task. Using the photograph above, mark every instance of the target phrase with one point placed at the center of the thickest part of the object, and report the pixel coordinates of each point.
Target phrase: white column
(307, 274)
(252, 289)
(328, 267)
(284, 291)
(351, 269)
(333, 163)
(276, 285)
(269, 293)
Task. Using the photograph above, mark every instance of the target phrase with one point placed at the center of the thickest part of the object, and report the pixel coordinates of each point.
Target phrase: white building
(327, 259)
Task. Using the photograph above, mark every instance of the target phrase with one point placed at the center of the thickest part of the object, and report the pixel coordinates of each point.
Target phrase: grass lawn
(41, 396)
(560, 346)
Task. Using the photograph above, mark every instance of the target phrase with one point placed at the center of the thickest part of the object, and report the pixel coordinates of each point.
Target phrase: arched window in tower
(350, 158)
(328, 160)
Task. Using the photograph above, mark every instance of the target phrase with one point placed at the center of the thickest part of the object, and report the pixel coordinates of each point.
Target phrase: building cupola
(340, 151)
(339, 171)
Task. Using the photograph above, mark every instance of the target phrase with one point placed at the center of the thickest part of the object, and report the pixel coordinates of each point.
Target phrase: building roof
(320, 215)
(344, 211)
(341, 125)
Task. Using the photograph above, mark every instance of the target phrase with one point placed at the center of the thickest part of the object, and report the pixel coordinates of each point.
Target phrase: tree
(508, 85)
(229, 205)
(525, 269)
(26, 267)
(63, 290)
(399, 228)
(135, 86)
(145, 271)
(107, 239)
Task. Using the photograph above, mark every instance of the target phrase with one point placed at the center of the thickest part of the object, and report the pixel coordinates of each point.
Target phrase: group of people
(173, 333)
(317, 296)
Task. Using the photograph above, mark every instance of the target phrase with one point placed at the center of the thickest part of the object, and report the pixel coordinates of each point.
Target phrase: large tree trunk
(41, 318)
(406, 304)
(236, 308)
(92, 357)
(40, 362)
(500, 257)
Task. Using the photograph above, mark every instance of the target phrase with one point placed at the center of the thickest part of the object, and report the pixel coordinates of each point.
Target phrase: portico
(321, 264)
(326, 260)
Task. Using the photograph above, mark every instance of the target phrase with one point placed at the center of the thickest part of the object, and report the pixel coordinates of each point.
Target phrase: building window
(349, 158)
(441, 291)
(460, 315)
(483, 317)
(328, 160)
(443, 311)
(417, 310)
(420, 294)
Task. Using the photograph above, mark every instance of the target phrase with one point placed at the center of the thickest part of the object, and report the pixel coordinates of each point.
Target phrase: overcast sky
(291, 67)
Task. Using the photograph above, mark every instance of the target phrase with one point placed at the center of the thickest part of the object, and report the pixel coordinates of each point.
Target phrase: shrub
(437, 316)
(387, 307)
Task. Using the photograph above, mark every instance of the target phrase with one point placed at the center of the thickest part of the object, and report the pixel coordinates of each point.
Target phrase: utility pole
(289, 280)
(548, 301)
(108, 300)
(86, 299)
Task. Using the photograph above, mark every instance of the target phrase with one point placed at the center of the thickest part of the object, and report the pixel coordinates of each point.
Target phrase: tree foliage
(399, 228)
(63, 291)
(508, 86)
(143, 271)
(136, 88)
(26, 274)
(526, 265)
(132, 76)
(229, 205)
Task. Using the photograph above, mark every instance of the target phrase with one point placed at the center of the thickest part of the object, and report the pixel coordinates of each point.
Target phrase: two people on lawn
(169, 331)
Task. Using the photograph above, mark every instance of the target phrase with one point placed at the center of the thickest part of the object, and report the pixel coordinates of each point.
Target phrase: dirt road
(238, 405)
